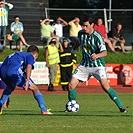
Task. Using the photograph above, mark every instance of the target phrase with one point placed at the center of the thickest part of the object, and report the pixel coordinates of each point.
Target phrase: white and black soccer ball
(72, 106)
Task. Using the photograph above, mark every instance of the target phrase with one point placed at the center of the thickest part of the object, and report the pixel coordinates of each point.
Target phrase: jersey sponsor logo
(75, 71)
(87, 47)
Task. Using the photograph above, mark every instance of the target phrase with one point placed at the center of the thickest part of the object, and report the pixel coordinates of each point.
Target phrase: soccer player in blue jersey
(92, 64)
(16, 71)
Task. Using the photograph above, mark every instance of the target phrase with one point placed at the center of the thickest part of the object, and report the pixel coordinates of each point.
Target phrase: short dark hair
(89, 19)
(33, 49)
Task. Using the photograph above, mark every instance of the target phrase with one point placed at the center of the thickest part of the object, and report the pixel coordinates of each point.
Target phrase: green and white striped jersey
(4, 15)
(89, 45)
(17, 27)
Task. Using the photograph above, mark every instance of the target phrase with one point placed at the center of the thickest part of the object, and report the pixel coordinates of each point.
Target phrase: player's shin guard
(72, 94)
(114, 96)
(6, 94)
(38, 96)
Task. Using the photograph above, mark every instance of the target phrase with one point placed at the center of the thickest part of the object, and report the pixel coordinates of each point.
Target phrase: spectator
(52, 59)
(67, 59)
(46, 30)
(58, 27)
(101, 29)
(17, 32)
(92, 64)
(116, 35)
(4, 8)
(75, 27)
(16, 71)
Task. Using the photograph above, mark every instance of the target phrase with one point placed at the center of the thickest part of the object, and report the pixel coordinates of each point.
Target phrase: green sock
(72, 94)
(114, 96)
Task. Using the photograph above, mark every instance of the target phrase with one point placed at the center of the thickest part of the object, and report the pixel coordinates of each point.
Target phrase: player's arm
(102, 48)
(28, 75)
(95, 56)
(77, 43)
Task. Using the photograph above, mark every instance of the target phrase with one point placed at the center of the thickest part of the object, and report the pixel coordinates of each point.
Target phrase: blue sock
(6, 94)
(38, 96)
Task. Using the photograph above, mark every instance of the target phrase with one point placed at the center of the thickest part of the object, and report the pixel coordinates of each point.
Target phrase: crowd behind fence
(124, 16)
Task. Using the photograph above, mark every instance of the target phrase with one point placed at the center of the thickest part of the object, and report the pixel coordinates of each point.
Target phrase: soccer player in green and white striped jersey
(92, 64)
(4, 8)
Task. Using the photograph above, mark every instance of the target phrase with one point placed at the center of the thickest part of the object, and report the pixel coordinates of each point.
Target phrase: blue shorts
(13, 76)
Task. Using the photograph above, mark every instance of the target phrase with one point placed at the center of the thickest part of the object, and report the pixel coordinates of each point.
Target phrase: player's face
(35, 56)
(88, 28)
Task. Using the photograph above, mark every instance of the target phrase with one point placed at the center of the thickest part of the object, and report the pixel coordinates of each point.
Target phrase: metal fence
(124, 16)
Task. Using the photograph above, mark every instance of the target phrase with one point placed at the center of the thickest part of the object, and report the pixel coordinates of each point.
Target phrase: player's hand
(27, 85)
(94, 56)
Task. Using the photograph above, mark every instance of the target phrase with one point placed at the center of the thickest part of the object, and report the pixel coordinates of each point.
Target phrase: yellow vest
(53, 55)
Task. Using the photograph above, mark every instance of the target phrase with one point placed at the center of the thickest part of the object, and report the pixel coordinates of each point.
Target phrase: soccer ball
(72, 106)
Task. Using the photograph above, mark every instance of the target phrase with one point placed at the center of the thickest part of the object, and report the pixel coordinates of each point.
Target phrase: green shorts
(15, 37)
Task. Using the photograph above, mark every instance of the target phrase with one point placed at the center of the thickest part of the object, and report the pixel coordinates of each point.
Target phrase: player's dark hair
(33, 49)
(89, 19)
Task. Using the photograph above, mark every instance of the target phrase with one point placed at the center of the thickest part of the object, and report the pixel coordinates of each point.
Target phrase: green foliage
(97, 114)
(113, 58)
(119, 58)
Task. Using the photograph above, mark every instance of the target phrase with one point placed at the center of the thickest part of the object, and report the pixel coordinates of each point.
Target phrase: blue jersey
(13, 69)
(19, 60)
(89, 45)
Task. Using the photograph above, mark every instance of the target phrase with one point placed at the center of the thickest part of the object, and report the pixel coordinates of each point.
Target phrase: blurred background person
(58, 26)
(102, 30)
(46, 30)
(116, 36)
(52, 59)
(75, 27)
(4, 8)
(17, 30)
(67, 60)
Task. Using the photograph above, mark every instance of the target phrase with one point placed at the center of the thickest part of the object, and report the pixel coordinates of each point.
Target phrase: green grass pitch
(97, 114)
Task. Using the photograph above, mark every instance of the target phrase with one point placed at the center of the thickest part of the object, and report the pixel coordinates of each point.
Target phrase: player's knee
(34, 88)
(71, 86)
